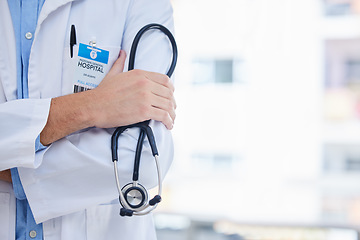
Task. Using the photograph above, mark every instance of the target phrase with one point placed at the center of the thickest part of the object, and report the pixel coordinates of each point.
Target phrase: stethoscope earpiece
(126, 212)
(133, 196)
(155, 200)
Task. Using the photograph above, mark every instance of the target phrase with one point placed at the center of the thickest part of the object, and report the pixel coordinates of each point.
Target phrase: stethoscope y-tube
(133, 196)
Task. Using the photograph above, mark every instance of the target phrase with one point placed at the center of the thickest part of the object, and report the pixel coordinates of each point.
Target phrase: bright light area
(267, 135)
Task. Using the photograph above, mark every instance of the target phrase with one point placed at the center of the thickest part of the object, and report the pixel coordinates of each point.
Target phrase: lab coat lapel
(8, 48)
(45, 62)
(51, 6)
(7, 54)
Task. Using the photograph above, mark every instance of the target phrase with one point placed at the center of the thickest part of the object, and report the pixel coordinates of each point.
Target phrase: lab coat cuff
(17, 185)
(22, 121)
(41, 110)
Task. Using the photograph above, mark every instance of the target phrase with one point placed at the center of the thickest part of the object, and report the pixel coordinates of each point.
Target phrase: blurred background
(267, 135)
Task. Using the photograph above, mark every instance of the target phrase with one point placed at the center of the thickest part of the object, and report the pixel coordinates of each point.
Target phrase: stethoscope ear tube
(137, 40)
(114, 142)
(151, 138)
(138, 155)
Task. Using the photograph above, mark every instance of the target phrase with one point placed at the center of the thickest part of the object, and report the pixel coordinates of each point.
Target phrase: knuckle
(137, 72)
(144, 111)
(142, 83)
(166, 80)
(164, 116)
(163, 79)
(169, 94)
(170, 105)
(144, 96)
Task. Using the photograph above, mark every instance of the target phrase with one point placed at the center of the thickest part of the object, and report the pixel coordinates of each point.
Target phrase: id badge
(91, 67)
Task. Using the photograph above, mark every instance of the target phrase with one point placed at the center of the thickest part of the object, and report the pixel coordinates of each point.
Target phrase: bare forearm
(5, 176)
(67, 114)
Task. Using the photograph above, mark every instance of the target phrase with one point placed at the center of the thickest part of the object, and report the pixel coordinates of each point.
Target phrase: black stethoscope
(133, 196)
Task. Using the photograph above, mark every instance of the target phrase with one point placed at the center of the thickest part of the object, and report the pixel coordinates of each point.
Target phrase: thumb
(118, 66)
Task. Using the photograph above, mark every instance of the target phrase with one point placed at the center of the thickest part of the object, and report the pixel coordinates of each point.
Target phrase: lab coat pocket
(104, 222)
(5, 216)
(76, 70)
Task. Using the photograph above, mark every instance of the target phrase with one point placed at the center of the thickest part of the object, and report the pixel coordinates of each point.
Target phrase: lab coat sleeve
(21, 121)
(77, 171)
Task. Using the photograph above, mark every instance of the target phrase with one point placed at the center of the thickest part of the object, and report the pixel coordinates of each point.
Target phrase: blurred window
(219, 71)
(336, 207)
(352, 164)
(341, 7)
(224, 71)
(342, 89)
(342, 62)
(214, 161)
(353, 71)
(341, 158)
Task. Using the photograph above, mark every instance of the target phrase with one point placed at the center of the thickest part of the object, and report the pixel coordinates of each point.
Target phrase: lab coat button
(33, 234)
(28, 35)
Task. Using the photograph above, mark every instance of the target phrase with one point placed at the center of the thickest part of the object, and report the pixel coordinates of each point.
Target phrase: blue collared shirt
(24, 15)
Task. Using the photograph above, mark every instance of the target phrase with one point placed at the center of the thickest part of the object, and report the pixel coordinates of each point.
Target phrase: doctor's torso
(112, 25)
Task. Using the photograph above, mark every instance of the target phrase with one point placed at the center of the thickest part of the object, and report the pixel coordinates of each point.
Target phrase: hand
(120, 99)
(134, 96)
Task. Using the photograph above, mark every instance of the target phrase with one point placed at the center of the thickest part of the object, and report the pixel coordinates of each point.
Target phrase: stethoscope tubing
(137, 40)
(145, 129)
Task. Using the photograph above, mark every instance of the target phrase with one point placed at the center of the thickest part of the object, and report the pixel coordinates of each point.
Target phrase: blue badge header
(92, 53)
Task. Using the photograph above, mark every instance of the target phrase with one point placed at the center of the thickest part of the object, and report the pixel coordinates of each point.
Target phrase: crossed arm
(121, 99)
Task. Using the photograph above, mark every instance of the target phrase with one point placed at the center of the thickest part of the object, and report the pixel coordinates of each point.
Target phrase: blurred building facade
(268, 126)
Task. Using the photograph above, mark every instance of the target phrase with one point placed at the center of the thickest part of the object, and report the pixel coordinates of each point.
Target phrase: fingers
(162, 91)
(162, 86)
(162, 116)
(118, 66)
(161, 79)
(165, 105)
(162, 94)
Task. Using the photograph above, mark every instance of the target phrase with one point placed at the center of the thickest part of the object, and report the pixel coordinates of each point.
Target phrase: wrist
(68, 114)
(87, 109)
(92, 108)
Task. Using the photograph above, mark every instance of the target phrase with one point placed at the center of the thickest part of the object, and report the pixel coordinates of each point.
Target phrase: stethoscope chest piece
(135, 195)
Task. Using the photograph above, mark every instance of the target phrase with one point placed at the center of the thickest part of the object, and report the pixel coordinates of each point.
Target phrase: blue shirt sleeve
(38, 145)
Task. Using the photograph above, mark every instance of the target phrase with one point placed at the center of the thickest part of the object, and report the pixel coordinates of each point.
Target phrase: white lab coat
(70, 186)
